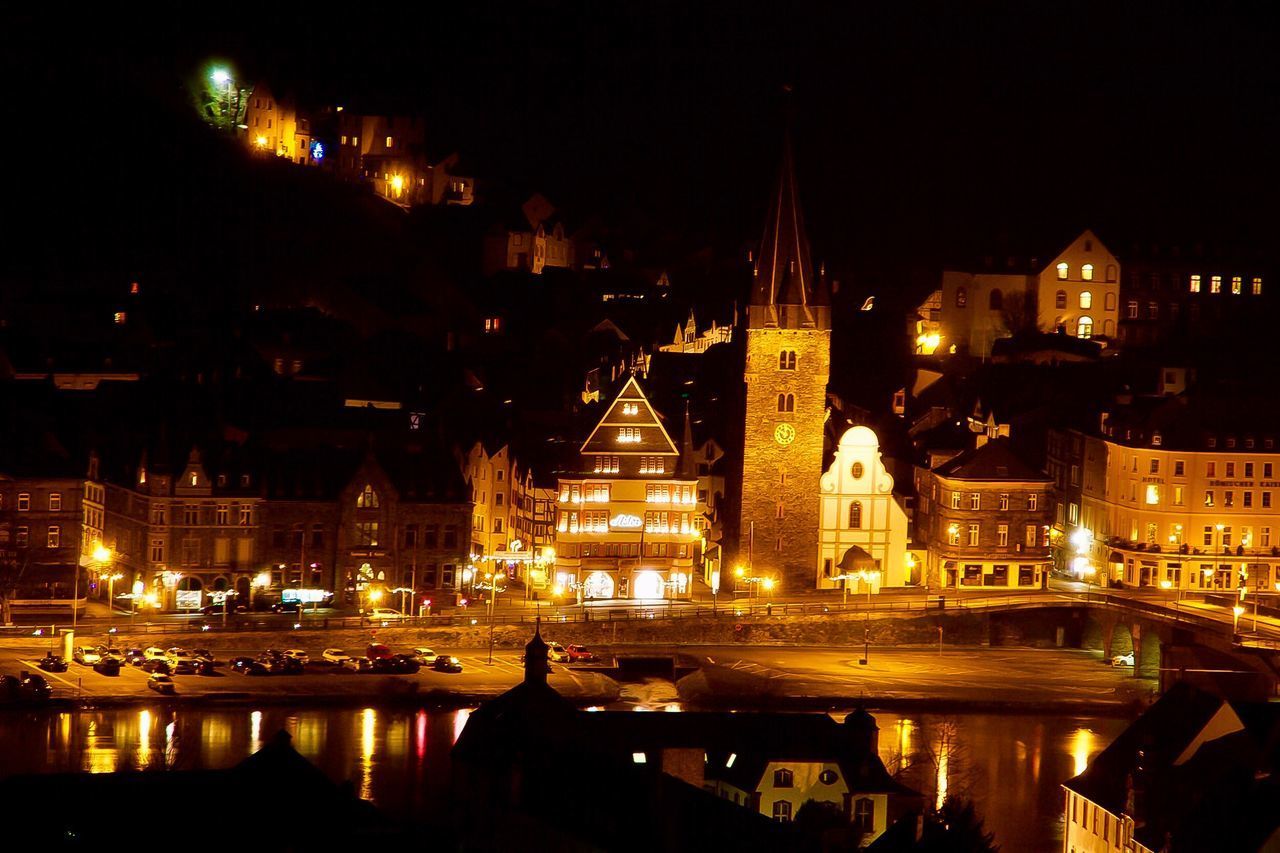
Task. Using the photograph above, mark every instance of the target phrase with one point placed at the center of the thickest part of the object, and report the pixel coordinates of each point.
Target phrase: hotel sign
(626, 521)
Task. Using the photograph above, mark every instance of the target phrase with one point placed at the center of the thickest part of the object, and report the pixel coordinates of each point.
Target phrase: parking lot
(478, 677)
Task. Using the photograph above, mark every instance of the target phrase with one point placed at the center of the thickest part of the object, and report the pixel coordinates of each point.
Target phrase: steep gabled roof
(784, 273)
(652, 436)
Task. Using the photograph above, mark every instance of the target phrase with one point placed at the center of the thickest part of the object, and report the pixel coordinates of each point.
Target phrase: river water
(1010, 765)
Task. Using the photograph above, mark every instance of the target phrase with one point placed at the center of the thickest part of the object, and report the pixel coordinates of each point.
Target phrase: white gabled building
(863, 527)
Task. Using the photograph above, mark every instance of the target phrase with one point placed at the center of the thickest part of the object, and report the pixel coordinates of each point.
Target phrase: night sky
(924, 131)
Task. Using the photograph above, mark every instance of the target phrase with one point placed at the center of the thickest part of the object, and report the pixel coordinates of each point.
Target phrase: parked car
(405, 663)
(337, 656)
(385, 666)
(86, 655)
(1123, 660)
(383, 614)
(299, 655)
(160, 683)
(285, 607)
(424, 655)
(52, 663)
(154, 665)
(377, 650)
(107, 666)
(248, 666)
(134, 656)
(446, 663)
(557, 653)
(111, 652)
(580, 654)
(9, 687)
(181, 660)
(357, 664)
(32, 686)
(154, 653)
(216, 609)
(204, 656)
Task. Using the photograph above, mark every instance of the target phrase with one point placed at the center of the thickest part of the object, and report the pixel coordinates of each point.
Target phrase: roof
(651, 436)
(784, 272)
(993, 461)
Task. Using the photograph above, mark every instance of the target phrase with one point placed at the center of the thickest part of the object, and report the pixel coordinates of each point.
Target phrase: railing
(933, 604)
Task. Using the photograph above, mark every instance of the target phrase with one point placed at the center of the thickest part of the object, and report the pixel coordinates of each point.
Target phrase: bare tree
(1018, 313)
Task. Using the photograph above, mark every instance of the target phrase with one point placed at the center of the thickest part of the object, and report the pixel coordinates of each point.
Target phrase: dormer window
(195, 478)
(368, 498)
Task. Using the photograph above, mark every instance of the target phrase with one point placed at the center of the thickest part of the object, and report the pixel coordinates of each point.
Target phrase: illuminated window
(119, 318)
(962, 297)
(629, 435)
(1215, 284)
(1084, 327)
(1033, 502)
(367, 499)
(1208, 497)
(1257, 286)
(973, 534)
(955, 500)
(630, 408)
(1086, 272)
(390, 142)
(1237, 285)
(1060, 299)
(1004, 502)
(1195, 284)
(492, 325)
(975, 500)
(55, 536)
(1086, 299)
(953, 534)
(344, 139)
(367, 533)
(786, 402)
(1153, 494)
(855, 515)
(1062, 271)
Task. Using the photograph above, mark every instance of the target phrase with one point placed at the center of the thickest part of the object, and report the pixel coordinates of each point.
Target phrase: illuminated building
(530, 240)
(787, 366)
(508, 508)
(389, 152)
(1076, 290)
(1178, 492)
(860, 512)
(1172, 293)
(687, 338)
(984, 518)
(276, 126)
(626, 527)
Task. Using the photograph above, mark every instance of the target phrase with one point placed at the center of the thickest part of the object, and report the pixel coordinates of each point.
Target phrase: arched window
(1111, 272)
(1060, 299)
(1086, 272)
(1062, 271)
(786, 402)
(855, 515)
(1109, 303)
(1086, 299)
(368, 498)
(856, 470)
(996, 300)
(1084, 327)
(864, 815)
(962, 297)
(787, 360)
(783, 779)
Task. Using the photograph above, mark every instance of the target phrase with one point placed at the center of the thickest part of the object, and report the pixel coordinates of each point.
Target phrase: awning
(949, 564)
(1115, 557)
(856, 559)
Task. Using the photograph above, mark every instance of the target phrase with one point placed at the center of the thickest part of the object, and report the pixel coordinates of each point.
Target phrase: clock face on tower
(784, 434)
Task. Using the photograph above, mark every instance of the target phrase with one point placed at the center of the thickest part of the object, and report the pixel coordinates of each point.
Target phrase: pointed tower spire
(784, 272)
(688, 466)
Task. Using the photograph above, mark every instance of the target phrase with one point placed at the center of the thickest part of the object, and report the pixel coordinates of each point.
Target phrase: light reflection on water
(1012, 766)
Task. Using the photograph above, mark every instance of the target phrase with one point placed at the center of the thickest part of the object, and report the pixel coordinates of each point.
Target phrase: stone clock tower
(787, 366)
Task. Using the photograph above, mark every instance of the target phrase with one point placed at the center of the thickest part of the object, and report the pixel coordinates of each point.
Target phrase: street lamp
(493, 598)
(138, 589)
(1236, 611)
(223, 78)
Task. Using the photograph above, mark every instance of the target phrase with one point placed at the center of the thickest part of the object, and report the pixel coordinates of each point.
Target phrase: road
(1013, 675)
